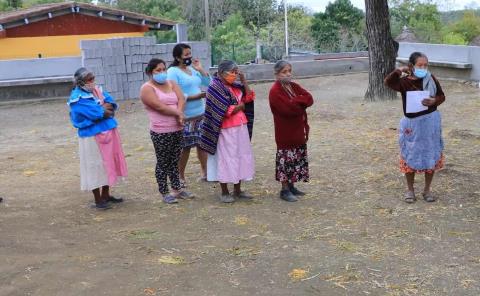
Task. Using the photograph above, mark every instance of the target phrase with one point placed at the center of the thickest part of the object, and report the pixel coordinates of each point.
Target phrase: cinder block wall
(119, 63)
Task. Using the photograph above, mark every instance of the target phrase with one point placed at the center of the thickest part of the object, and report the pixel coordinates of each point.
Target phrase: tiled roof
(45, 11)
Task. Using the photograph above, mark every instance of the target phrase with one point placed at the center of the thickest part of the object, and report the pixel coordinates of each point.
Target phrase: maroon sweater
(289, 115)
(404, 84)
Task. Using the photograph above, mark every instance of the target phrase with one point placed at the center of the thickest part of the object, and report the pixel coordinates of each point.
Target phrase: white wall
(450, 53)
(38, 68)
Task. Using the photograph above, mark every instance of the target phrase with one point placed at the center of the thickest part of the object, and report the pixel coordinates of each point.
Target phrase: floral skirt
(292, 165)
(404, 168)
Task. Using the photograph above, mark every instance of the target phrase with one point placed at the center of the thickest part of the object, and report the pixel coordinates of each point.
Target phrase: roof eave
(91, 10)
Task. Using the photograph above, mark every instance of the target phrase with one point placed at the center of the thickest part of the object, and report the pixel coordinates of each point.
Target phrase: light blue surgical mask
(420, 73)
(160, 78)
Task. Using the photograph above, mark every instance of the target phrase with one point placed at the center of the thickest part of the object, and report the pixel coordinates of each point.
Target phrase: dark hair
(414, 57)
(152, 64)
(177, 53)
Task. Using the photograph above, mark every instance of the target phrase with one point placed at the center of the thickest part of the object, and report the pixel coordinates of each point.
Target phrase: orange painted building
(55, 30)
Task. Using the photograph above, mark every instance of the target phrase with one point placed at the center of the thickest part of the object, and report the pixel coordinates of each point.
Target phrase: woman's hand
(405, 69)
(180, 118)
(108, 105)
(198, 96)
(197, 65)
(238, 108)
(242, 77)
(108, 110)
(429, 102)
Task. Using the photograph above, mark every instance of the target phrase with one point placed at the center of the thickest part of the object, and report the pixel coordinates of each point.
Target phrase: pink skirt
(102, 161)
(234, 160)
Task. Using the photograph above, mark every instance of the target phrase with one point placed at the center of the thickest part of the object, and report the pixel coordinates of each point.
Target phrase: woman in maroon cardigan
(288, 102)
(420, 132)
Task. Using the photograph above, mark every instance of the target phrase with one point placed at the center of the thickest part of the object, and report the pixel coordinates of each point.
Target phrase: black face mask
(187, 61)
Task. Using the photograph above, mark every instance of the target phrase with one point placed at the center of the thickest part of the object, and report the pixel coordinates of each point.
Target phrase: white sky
(319, 5)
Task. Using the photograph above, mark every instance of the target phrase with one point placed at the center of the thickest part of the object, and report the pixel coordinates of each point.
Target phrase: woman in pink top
(230, 158)
(164, 103)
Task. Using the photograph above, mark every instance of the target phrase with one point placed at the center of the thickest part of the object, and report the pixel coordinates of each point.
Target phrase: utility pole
(207, 21)
(286, 27)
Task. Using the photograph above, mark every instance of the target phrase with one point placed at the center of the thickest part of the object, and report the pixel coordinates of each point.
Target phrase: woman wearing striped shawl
(224, 133)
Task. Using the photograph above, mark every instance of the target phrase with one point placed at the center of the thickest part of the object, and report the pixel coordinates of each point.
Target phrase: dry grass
(351, 235)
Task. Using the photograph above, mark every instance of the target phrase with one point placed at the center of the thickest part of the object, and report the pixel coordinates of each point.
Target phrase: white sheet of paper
(414, 101)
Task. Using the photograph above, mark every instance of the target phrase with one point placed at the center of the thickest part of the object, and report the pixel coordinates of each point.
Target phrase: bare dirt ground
(351, 235)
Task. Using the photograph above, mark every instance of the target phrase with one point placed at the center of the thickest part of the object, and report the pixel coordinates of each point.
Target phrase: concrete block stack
(106, 58)
(119, 63)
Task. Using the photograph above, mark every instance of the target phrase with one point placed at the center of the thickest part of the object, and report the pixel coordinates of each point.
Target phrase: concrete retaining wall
(262, 72)
(449, 53)
(38, 68)
(326, 56)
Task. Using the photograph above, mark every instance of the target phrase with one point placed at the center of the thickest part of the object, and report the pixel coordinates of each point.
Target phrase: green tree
(423, 19)
(167, 9)
(4, 5)
(231, 40)
(468, 27)
(339, 28)
(257, 14)
(7, 5)
(453, 38)
(299, 33)
(15, 4)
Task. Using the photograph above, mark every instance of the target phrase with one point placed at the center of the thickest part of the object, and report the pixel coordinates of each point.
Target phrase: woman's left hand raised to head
(242, 77)
(429, 102)
(197, 65)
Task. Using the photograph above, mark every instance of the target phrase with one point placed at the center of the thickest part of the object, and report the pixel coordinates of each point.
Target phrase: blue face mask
(160, 78)
(420, 73)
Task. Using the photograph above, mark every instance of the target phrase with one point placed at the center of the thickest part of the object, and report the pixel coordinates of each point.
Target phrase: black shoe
(286, 195)
(103, 206)
(114, 200)
(295, 191)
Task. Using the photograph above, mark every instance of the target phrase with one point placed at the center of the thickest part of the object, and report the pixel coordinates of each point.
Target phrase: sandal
(428, 197)
(185, 195)
(409, 197)
(226, 198)
(170, 199)
(243, 195)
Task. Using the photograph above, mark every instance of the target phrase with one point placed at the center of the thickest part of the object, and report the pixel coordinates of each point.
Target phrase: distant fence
(334, 65)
